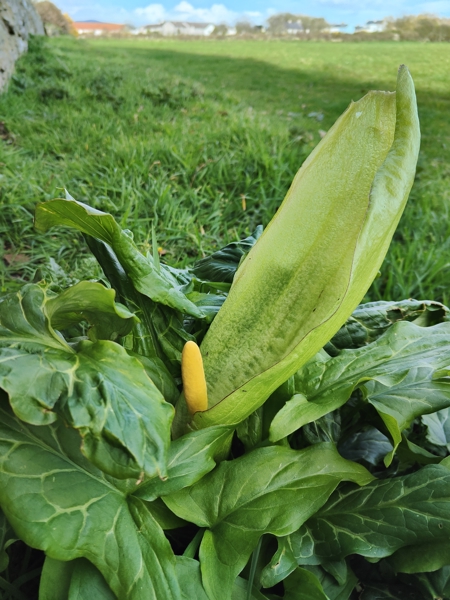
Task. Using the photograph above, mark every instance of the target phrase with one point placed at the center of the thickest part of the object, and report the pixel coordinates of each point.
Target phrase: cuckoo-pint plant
(243, 428)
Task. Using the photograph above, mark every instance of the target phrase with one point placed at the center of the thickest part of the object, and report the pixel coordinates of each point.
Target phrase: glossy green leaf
(159, 334)
(55, 579)
(158, 558)
(98, 388)
(74, 580)
(189, 576)
(333, 589)
(156, 283)
(378, 519)
(160, 375)
(222, 264)
(336, 587)
(283, 563)
(240, 591)
(410, 453)
(303, 585)
(190, 457)
(94, 303)
(250, 431)
(24, 322)
(318, 256)
(58, 502)
(269, 490)
(326, 429)
(421, 558)
(209, 303)
(88, 583)
(369, 321)
(165, 518)
(402, 374)
(190, 579)
(369, 445)
(438, 425)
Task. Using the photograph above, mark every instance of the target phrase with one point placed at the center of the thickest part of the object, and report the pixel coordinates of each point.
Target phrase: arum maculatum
(316, 259)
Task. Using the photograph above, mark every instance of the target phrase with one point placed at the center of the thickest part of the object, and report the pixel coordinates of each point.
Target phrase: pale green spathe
(318, 256)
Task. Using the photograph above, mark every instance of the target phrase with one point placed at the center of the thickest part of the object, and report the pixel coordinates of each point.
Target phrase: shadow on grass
(267, 86)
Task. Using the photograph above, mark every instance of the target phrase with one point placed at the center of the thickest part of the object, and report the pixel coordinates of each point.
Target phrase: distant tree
(244, 27)
(420, 27)
(220, 30)
(55, 22)
(314, 24)
(277, 23)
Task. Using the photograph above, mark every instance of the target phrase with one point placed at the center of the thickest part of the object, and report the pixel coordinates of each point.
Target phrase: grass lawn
(201, 140)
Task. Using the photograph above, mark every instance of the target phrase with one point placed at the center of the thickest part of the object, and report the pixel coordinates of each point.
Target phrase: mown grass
(202, 139)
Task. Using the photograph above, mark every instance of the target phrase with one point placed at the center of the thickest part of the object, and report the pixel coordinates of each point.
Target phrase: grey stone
(18, 19)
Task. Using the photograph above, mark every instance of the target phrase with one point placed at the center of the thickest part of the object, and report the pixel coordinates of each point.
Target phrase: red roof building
(97, 28)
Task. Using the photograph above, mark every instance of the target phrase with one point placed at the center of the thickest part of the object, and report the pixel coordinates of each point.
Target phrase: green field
(201, 139)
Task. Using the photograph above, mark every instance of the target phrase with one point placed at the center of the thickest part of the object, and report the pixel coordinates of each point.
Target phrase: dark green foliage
(82, 454)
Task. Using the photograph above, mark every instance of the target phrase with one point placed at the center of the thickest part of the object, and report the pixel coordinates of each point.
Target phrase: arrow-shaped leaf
(190, 457)
(402, 374)
(98, 388)
(94, 303)
(58, 502)
(284, 488)
(369, 321)
(156, 283)
(378, 519)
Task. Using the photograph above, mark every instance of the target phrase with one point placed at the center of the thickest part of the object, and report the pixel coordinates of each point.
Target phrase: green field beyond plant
(201, 139)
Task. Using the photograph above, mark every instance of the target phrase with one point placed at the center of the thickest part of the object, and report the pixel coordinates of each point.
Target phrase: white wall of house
(198, 29)
(170, 28)
(91, 31)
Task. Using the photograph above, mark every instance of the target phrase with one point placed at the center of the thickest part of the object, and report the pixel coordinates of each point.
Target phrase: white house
(372, 27)
(171, 28)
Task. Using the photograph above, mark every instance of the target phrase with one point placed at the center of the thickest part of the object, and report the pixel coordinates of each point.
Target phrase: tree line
(423, 27)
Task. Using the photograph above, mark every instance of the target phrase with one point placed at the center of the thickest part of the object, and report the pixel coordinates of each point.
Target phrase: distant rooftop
(97, 25)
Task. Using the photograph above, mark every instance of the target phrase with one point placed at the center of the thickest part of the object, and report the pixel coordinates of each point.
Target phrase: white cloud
(159, 11)
(151, 13)
(184, 11)
(217, 13)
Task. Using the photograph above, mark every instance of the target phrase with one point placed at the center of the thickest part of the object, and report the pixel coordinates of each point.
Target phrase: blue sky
(141, 12)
